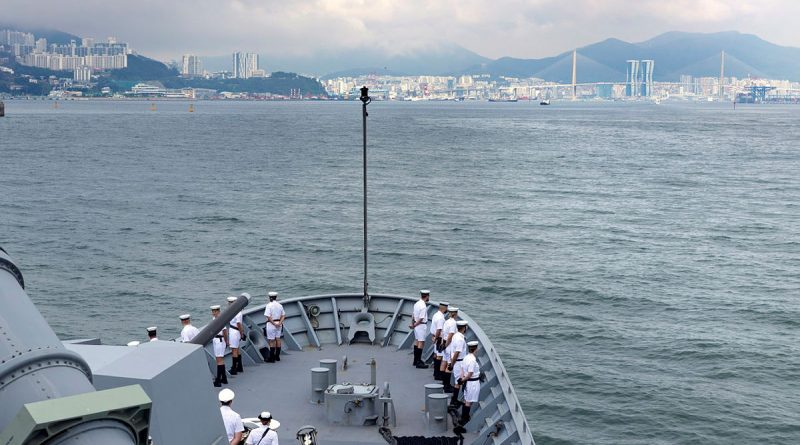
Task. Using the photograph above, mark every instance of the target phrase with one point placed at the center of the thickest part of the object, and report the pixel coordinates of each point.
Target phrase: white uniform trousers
(421, 332)
(234, 337)
(472, 391)
(219, 347)
(273, 332)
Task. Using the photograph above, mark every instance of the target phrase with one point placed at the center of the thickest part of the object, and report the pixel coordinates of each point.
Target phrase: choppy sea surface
(637, 265)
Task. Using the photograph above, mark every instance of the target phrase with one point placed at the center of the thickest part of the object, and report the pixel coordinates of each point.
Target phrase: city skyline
(538, 28)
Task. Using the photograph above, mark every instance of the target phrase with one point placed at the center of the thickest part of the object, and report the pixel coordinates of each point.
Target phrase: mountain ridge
(675, 53)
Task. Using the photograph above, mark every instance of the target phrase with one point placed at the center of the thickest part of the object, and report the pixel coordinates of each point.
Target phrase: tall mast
(365, 100)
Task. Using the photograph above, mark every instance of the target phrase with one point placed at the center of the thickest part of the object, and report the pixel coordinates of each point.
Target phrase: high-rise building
(41, 45)
(639, 78)
(244, 64)
(190, 66)
(632, 78)
(11, 37)
(647, 77)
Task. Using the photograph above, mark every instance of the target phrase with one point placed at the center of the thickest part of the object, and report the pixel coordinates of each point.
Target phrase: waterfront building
(687, 84)
(605, 90)
(147, 90)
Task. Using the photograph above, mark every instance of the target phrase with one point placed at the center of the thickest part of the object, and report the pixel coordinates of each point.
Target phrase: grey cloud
(494, 28)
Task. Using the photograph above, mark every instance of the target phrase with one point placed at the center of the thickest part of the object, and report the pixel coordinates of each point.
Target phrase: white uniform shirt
(274, 310)
(470, 364)
(232, 420)
(437, 322)
(188, 333)
(420, 311)
(449, 327)
(271, 438)
(234, 323)
(458, 344)
(154, 339)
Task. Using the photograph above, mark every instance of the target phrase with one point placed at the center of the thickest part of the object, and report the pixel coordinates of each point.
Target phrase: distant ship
(503, 100)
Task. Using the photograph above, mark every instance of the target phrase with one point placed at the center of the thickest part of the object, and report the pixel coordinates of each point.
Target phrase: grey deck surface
(284, 389)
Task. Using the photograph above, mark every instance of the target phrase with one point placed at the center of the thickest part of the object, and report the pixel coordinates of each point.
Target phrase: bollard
(432, 388)
(319, 383)
(437, 414)
(330, 364)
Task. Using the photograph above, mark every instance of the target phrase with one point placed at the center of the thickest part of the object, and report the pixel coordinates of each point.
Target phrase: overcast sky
(164, 29)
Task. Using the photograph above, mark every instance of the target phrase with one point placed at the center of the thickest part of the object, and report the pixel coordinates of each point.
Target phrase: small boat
(545, 102)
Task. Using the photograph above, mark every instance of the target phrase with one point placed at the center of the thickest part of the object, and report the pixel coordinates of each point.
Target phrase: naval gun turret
(46, 391)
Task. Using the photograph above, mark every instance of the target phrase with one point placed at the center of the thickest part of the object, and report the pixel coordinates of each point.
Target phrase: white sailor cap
(133, 343)
(272, 294)
(424, 292)
(184, 316)
(451, 308)
(461, 323)
(226, 395)
(273, 424)
(152, 329)
(215, 307)
(473, 343)
(231, 299)
(444, 303)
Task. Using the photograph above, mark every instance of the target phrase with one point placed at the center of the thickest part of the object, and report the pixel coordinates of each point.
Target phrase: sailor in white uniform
(419, 323)
(437, 323)
(470, 377)
(448, 330)
(232, 420)
(265, 434)
(152, 334)
(274, 330)
(219, 343)
(188, 332)
(458, 350)
(235, 334)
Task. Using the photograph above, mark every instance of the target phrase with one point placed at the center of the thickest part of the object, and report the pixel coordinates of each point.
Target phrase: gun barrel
(210, 330)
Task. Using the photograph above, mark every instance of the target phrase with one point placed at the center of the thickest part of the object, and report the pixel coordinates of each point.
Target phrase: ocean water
(637, 266)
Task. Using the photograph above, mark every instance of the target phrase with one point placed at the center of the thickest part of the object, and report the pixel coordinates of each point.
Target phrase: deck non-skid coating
(284, 389)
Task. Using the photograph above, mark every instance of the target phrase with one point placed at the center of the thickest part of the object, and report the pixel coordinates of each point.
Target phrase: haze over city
(536, 28)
